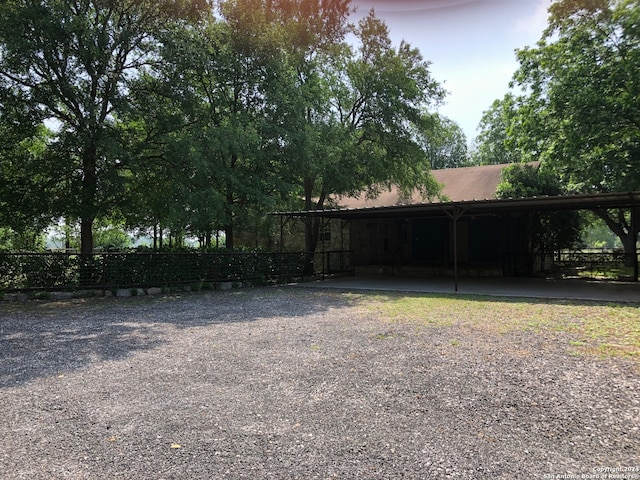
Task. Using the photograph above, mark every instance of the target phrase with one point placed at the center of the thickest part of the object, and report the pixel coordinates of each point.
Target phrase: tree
(24, 175)
(547, 231)
(72, 61)
(382, 107)
(215, 85)
(358, 119)
(237, 84)
(580, 113)
(492, 143)
(447, 145)
(310, 34)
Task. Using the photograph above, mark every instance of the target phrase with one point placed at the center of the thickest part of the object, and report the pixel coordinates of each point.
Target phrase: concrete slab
(602, 291)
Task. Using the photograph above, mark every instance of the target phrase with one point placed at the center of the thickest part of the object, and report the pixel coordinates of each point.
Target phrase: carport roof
(479, 207)
(458, 185)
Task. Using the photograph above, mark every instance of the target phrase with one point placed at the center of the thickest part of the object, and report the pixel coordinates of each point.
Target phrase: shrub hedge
(61, 271)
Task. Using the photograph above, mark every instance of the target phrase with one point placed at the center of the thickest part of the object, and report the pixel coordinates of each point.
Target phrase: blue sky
(470, 43)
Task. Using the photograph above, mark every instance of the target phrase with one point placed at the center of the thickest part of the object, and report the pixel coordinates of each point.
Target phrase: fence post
(104, 274)
(634, 231)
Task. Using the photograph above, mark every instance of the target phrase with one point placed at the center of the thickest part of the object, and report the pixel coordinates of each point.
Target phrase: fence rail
(597, 263)
(65, 271)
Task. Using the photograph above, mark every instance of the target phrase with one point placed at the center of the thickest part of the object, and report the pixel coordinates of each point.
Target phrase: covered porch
(463, 239)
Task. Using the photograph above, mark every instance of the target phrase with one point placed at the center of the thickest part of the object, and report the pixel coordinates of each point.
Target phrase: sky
(470, 43)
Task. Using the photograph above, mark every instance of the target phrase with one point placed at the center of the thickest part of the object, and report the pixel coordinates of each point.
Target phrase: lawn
(606, 330)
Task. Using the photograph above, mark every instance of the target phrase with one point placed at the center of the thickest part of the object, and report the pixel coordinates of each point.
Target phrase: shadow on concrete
(547, 289)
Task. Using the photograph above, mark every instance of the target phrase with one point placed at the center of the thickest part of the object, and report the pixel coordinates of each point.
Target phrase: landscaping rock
(60, 295)
(290, 383)
(16, 297)
(85, 293)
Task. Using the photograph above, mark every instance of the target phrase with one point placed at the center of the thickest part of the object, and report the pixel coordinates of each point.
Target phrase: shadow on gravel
(40, 339)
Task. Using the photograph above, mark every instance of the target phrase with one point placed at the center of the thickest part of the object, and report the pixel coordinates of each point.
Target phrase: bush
(128, 270)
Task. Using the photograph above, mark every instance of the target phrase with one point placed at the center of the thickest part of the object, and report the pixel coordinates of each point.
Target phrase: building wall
(335, 239)
(487, 245)
(380, 242)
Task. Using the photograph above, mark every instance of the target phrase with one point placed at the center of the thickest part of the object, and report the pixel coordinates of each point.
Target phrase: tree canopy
(547, 231)
(582, 112)
(492, 143)
(358, 119)
(199, 116)
(576, 103)
(71, 63)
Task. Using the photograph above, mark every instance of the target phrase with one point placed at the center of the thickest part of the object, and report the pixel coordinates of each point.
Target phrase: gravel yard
(292, 383)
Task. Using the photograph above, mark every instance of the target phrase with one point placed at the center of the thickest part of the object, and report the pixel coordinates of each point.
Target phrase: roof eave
(479, 207)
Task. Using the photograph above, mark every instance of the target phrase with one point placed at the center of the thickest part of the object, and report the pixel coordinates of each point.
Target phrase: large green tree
(357, 119)
(262, 95)
(492, 145)
(238, 83)
(580, 111)
(72, 61)
(547, 232)
(446, 145)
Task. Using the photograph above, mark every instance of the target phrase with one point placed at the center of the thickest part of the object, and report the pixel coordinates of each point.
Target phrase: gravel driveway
(288, 383)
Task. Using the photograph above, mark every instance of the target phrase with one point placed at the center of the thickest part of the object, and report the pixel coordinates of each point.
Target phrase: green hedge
(32, 271)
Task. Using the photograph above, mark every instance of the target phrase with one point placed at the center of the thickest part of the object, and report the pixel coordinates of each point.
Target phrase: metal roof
(458, 185)
(480, 207)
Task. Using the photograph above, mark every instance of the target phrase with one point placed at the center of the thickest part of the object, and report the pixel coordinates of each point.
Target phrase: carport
(454, 211)
(540, 288)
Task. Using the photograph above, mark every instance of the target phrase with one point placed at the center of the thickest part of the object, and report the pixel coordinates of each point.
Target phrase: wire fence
(109, 271)
(65, 271)
(596, 263)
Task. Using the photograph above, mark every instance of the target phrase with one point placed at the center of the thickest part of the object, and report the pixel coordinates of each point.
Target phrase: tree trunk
(67, 236)
(228, 229)
(228, 236)
(312, 224)
(626, 232)
(155, 237)
(88, 199)
(310, 240)
(86, 235)
(230, 202)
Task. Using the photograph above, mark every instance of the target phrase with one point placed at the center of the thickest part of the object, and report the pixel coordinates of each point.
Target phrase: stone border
(22, 297)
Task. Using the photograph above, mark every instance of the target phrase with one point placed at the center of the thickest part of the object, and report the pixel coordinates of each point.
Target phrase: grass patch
(607, 330)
